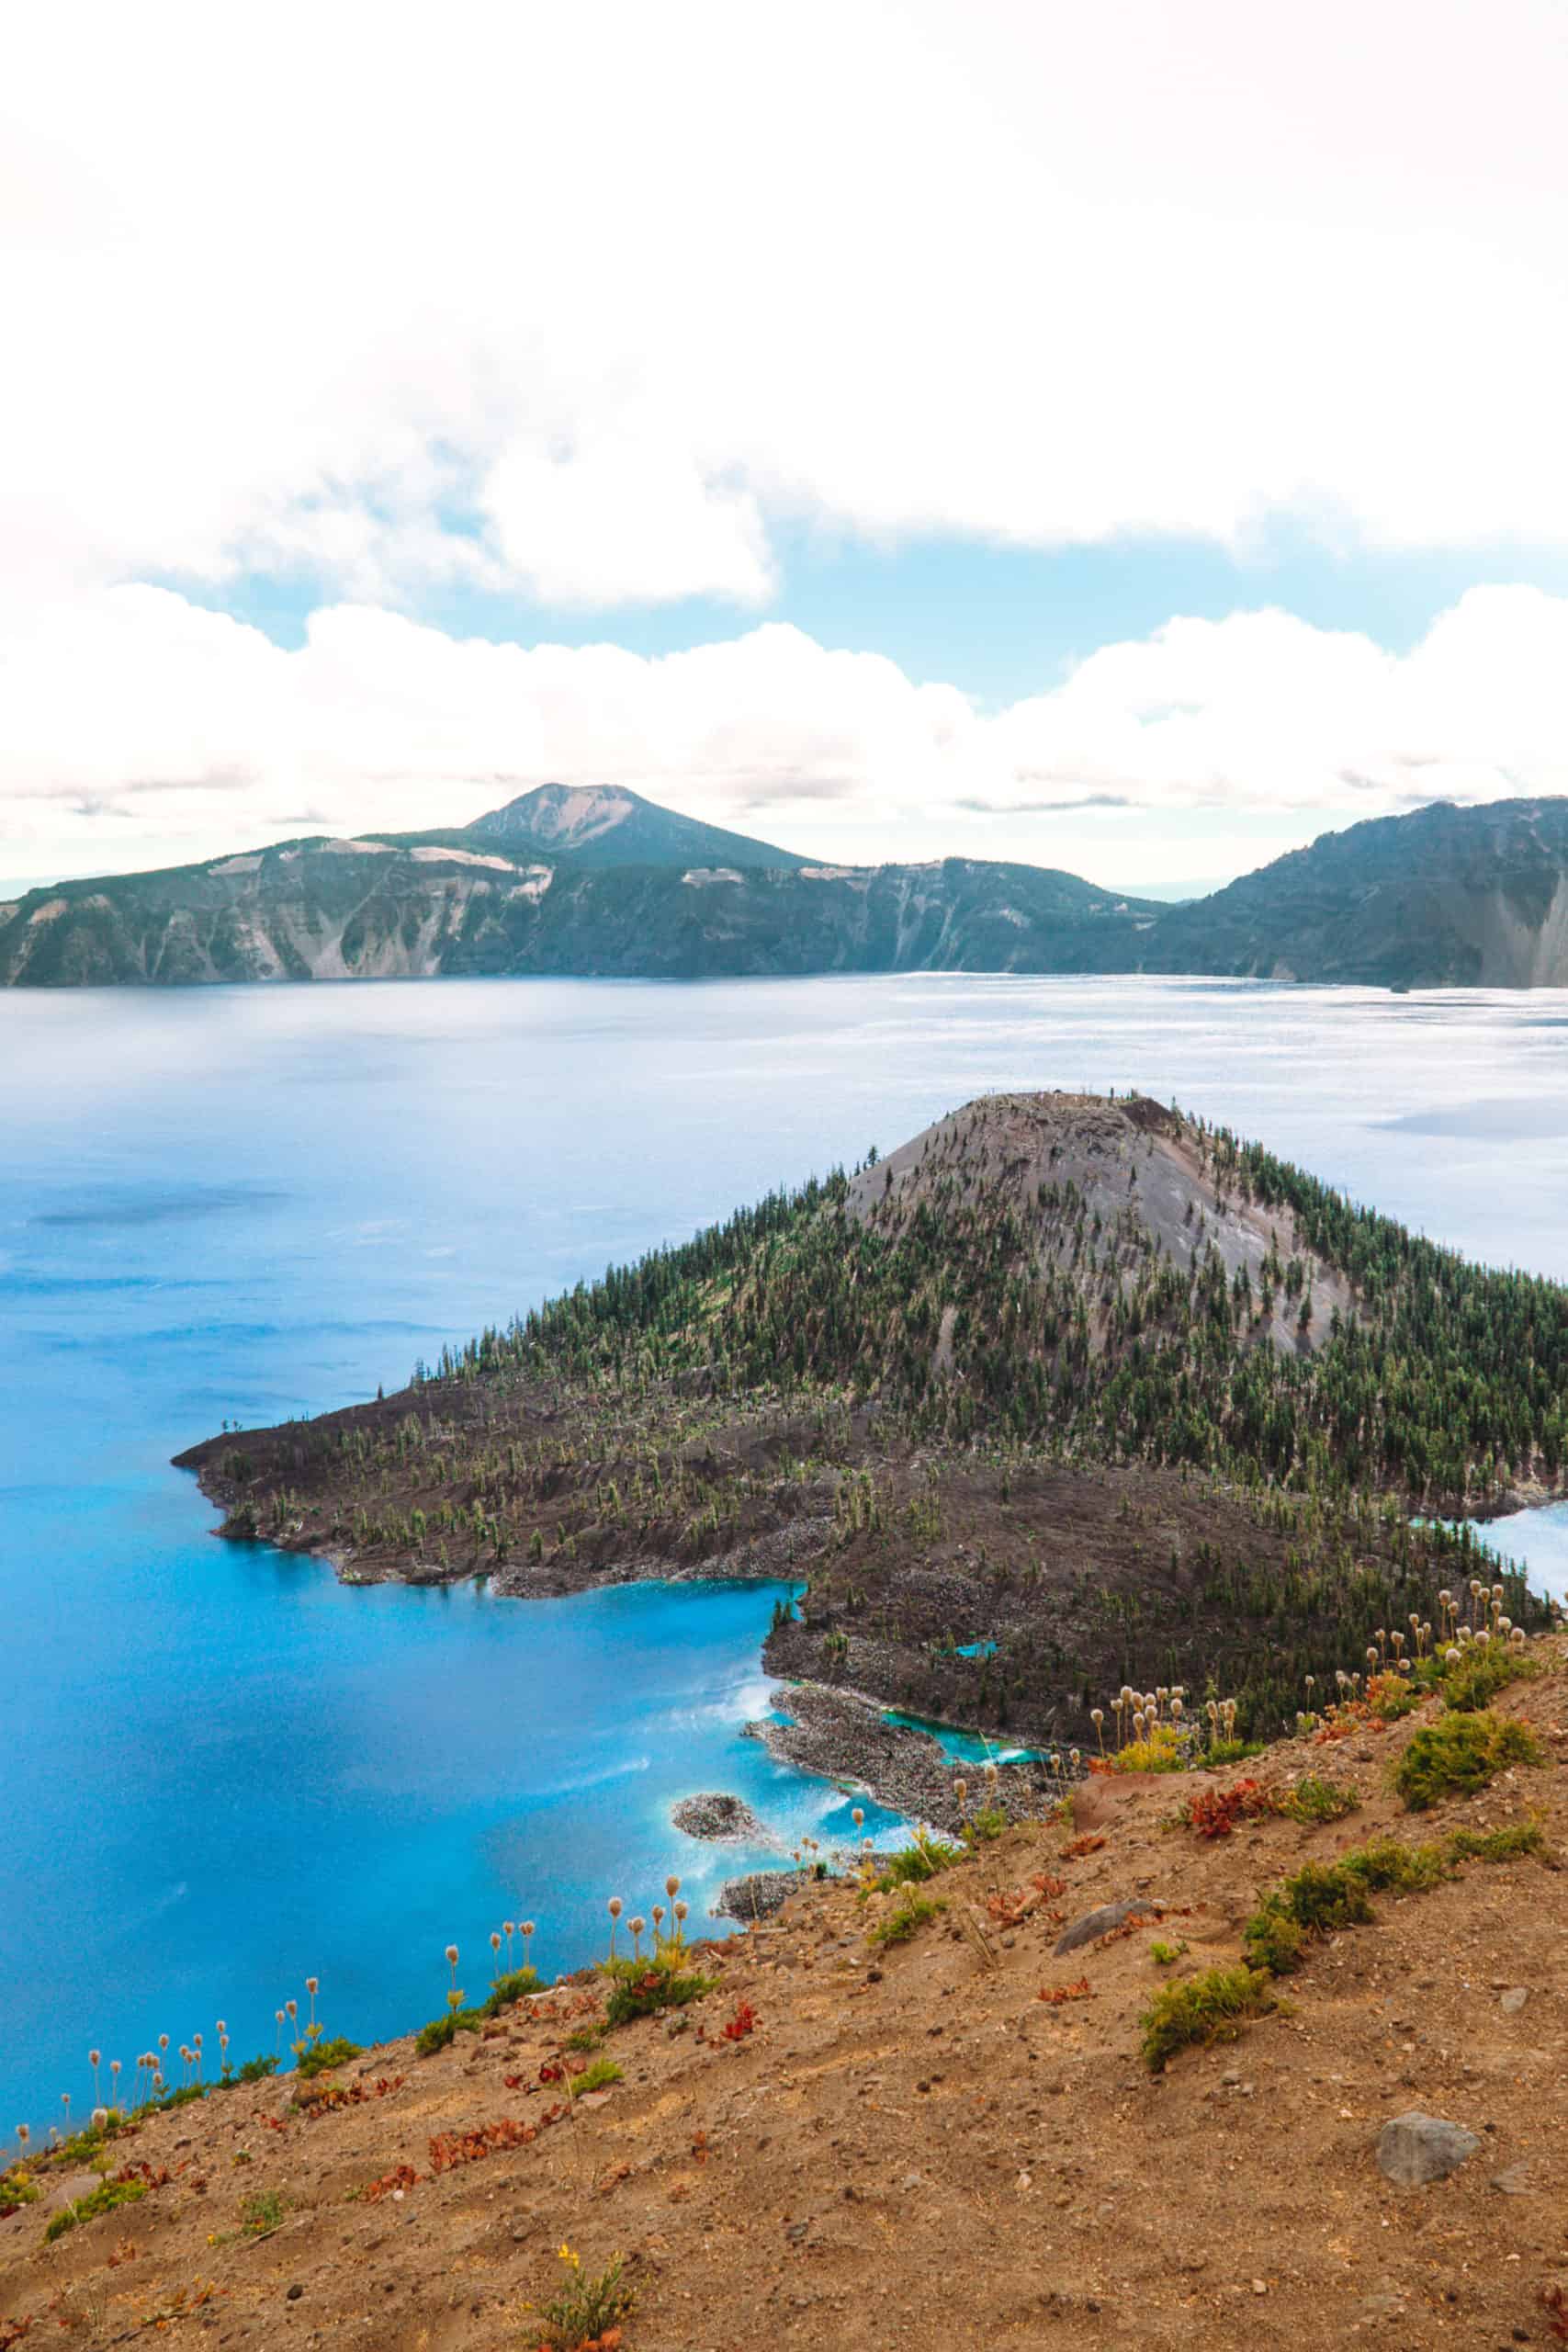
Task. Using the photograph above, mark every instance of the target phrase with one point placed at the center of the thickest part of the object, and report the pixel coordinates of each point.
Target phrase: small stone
(1512, 2181)
(910, 2182)
(294, 2294)
(796, 2231)
(1260, 2285)
(1513, 1999)
(1414, 2149)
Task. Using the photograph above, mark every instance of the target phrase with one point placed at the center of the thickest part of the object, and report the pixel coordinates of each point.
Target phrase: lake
(225, 1772)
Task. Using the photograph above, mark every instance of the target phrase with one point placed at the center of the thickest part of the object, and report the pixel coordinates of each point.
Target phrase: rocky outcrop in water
(718, 1817)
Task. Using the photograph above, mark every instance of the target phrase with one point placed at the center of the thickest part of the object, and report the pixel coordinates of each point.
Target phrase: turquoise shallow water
(225, 1772)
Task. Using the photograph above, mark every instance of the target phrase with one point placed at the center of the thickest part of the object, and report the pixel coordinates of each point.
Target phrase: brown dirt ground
(916, 2150)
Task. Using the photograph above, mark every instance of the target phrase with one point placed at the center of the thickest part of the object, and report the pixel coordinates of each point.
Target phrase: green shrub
(506, 1990)
(641, 1988)
(102, 2199)
(903, 1921)
(913, 1864)
(325, 2056)
(183, 2096)
(1227, 1751)
(1272, 1940)
(441, 2032)
(597, 2077)
(257, 2070)
(1497, 1845)
(1389, 1863)
(1316, 1800)
(1482, 1673)
(1202, 2010)
(17, 2188)
(585, 2308)
(83, 2146)
(983, 1826)
(1460, 1754)
(1322, 1897)
(261, 2214)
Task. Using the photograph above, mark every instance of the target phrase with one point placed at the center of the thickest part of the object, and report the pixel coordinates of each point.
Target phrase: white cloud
(588, 300)
(141, 729)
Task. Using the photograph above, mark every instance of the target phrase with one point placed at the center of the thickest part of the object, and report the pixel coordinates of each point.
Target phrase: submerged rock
(717, 1816)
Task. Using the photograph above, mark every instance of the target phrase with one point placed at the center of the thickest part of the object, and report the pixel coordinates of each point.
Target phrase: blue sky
(1126, 440)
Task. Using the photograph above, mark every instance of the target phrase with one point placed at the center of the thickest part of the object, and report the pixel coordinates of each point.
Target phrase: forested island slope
(1062, 1394)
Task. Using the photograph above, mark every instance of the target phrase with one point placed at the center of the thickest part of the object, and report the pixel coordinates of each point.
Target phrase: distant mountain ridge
(599, 882)
(608, 825)
(1446, 896)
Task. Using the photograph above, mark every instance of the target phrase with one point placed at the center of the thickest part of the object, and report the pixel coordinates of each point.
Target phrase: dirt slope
(913, 2148)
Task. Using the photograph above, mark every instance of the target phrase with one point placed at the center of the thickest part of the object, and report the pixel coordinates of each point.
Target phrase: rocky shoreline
(843, 1736)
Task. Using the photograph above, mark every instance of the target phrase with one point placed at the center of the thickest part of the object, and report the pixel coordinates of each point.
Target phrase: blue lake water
(224, 1772)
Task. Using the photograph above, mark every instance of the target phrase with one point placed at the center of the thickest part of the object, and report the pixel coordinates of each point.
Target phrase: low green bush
(586, 2310)
(1201, 2010)
(641, 1988)
(261, 2214)
(1479, 1674)
(1460, 1754)
(1226, 1751)
(441, 2032)
(913, 1864)
(1497, 1845)
(1322, 1898)
(597, 2077)
(102, 2199)
(322, 2056)
(1315, 1800)
(904, 1920)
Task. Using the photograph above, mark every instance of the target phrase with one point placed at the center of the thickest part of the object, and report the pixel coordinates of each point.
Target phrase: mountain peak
(608, 824)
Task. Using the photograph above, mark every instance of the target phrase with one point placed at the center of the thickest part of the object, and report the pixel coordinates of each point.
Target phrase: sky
(1127, 438)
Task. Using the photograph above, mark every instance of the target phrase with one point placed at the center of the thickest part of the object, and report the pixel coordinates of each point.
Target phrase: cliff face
(1472, 898)
(371, 910)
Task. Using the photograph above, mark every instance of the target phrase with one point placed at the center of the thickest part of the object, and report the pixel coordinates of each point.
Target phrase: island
(1065, 1398)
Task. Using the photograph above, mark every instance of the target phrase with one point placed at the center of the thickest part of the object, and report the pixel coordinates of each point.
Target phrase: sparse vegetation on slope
(741, 2151)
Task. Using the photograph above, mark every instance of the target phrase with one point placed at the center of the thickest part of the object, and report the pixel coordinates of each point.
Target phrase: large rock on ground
(1094, 1924)
(1414, 2148)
